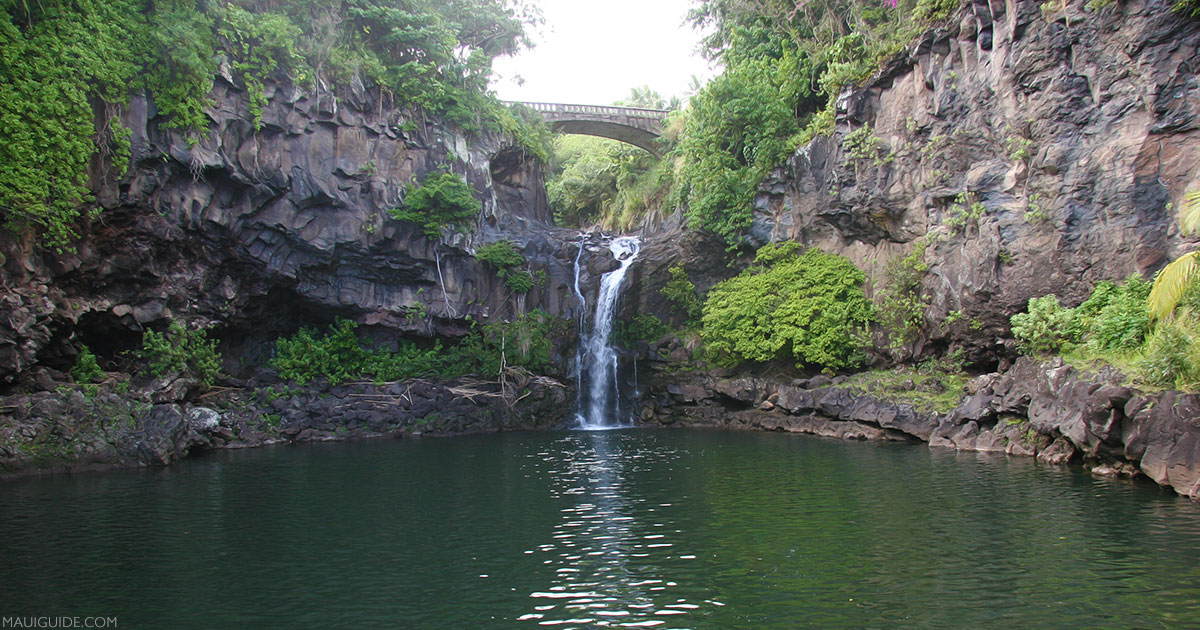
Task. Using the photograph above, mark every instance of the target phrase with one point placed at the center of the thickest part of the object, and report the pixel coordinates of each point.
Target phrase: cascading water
(597, 380)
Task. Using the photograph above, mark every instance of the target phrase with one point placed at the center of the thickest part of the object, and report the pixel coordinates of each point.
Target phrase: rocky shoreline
(72, 430)
(1042, 409)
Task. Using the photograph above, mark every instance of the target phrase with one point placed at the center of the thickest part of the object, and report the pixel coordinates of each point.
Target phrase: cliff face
(1075, 130)
(260, 231)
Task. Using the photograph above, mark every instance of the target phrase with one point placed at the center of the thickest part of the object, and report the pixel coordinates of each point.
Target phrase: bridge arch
(633, 125)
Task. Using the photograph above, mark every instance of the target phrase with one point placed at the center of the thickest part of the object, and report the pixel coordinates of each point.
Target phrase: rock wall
(260, 230)
(1076, 130)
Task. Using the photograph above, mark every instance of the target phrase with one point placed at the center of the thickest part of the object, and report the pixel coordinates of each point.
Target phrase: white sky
(594, 52)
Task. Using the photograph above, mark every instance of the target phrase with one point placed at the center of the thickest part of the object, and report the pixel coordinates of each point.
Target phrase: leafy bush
(442, 200)
(1046, 327)
(181, 350)
(643, 328)
(1114, 317)
(339, 356)
(1172, 355)
(86, 368)
(808, 305)
(903, 310)
(681, 293)
(507, 260)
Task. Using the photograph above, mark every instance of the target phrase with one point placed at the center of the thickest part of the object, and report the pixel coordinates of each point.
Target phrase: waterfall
(598, 361)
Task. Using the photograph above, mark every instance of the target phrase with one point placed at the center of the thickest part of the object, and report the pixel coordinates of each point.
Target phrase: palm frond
(1171, 283)
(1189, 215)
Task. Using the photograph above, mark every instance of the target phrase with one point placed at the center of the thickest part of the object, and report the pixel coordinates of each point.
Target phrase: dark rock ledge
(1047, 410)
(68, 430)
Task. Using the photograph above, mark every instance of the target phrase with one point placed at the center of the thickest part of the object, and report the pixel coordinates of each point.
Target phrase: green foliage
(1175, 280)
(599, 181)
(863, 144)
(1112, 320)
(442, 200)
(737, 129)
(965, 211)
(809, 305)
(934, 10)
(66, 68)
(785, 63)
(500, 254)
(1045, 327)
(86, 369)
(56, 59)
(935, 385)
(1190, 7)
(1171, 357)
(643, 328)
(681, 293)
(339, 356)
(1038, 210)
(902, 312)
(1114, 317)
(507, 260)
(181, 350)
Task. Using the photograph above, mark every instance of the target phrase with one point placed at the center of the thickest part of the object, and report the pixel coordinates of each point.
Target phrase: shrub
(643, 328)
(339, 356)
(1115, 317)
(442, 200)
(506, 259)
(86, 369)
(903, 310)
(181, 350)
(809, 305)
(681, 293)
(1046, 327)
(1172, 356)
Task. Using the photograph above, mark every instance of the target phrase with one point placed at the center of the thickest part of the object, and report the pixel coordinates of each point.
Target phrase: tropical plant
(442, 200)
(809, 305)
(181, 349)
(1174, 280)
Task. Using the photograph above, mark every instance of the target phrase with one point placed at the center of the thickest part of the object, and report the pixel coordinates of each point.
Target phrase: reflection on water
(605, 561)
(617, 529)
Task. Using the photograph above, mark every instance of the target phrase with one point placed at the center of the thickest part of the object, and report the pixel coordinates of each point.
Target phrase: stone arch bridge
(637, 126)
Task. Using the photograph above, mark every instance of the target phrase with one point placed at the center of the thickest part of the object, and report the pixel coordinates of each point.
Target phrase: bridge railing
(593, 110)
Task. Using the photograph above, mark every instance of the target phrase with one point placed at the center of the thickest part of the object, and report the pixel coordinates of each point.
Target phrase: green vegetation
(1174, 281)
(340, 356)
(86, 369)
(68, 66)
(643, 328)
(902, 312)
(507, 261)
(808, 305)
(599, 181)
(1113, 326)
(442, 200)
(932, 386)
(785, 64)
(181, 350)
(681, 293)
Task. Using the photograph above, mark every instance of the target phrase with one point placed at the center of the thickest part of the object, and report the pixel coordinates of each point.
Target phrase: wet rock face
(1075, 130)
(259, 231)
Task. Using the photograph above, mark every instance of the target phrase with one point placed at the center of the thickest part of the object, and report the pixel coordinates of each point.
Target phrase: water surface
(651, 529)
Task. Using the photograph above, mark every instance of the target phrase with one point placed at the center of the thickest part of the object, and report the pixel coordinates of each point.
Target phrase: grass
(930, 387)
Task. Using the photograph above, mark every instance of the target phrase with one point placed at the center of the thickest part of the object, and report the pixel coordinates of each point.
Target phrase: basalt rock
(260, 228)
